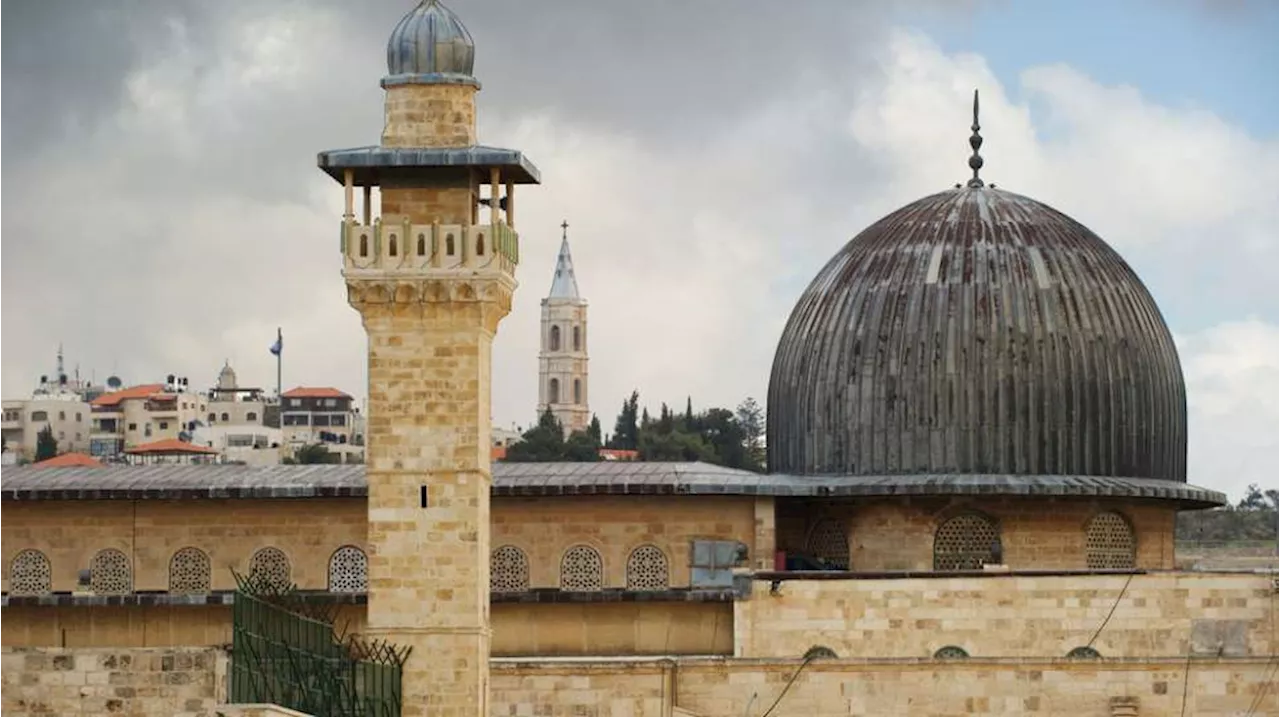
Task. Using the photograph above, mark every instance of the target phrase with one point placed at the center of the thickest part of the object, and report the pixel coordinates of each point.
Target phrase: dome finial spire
(975, 141)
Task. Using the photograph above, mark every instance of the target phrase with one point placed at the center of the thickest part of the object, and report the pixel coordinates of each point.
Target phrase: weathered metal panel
(977, 331)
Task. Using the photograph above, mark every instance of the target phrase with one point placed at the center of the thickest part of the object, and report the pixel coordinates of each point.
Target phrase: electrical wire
(790, 682)
(1264, 689)
(1114, 605)
(1186, 679)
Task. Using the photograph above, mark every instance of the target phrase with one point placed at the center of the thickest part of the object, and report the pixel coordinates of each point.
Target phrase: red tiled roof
(170, 445)
(498, 453)
(618, 454)
(124, 394)
(314, 392)
(69, 460)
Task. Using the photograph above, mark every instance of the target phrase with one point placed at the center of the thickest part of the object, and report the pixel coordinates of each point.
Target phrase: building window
(581, 568)
(147, 432)
(950, 652)
(269, 568)
(39, 415)
(295, 402)
(78, 418)
(555, 338)
(109, 573)
(553, 391)
(330, 402)
(62, 415)
(577, 338)
(164, 425)
(966, 542)
(479, 245)
(422, 245)
(189, 572)
(1108, 542)
(448, 244)
(251, 416)
(509, 570)
(225, 417)
(348, 570)
(647, 569)
(338, 420)
(829, 543)
(1084, 653)
(62, 435)
(364, 245)
(213, 418)
(30, 573)
(133, 426)
(391, 246)
(577, 390)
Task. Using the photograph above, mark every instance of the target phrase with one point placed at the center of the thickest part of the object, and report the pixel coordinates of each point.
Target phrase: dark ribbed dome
(431, 42)
(977, 332)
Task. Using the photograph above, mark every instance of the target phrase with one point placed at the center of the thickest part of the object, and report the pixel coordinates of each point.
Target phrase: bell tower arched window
(553, 391)
(555, 338)
(577, 338)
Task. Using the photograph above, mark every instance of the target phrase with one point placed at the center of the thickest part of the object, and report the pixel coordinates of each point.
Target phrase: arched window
(1084, 653)
(348, 570)
(422, 245)
(448, 244)
(577, 338)
(110, 573)
(189, 572)
(647, 569)
(829, 542)
(364, 245)
(555, 338)
(966, 542)
(479, 245)
(1108, 542)
(391, 245)
(581, 569)
(269, 568)
(250, 416)
(30, 573)
(509, 570)
(577, 391)
(226, 417)
(950, 652)
(553, 391)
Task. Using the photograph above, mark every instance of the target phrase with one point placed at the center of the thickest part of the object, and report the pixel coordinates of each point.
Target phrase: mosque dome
(432, 41)
(976, 331)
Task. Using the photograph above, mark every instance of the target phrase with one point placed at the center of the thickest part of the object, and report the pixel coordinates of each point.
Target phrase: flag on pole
(278, 346)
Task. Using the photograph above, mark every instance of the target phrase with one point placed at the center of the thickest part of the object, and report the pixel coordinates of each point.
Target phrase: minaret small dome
(431, 41)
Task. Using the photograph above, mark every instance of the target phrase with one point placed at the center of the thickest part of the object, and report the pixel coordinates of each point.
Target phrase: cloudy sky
(163, 211)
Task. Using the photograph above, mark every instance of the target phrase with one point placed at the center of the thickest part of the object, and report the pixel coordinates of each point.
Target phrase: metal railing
(286, 651)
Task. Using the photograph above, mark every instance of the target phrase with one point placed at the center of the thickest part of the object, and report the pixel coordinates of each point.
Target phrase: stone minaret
(562, 362)
(432, 276)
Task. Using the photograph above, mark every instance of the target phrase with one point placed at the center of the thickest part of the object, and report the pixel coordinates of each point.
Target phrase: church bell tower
(562, 360)
(432, 273)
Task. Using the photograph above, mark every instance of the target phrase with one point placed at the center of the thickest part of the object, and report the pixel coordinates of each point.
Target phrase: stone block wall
(1035, 533)
(168, 682)
(1214, 688)
(430, 116)
(1157, 615)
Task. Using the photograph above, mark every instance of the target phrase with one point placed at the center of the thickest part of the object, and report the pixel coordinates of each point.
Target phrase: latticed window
(581, 569)
(950, 652)
(1084, 653)
(30, 573)
(1108, 542)
(966, 542)
(647, 569)
(189, 571)
(110, 573)
(509, 570)
(829, 542)
(348, 570)
(270, 567)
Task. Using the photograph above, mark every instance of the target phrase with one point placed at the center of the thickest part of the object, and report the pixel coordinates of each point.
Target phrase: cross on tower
(564, 228)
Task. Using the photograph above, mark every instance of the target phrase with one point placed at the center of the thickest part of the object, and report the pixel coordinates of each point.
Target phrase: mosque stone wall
(437, 115)
(1042, 617)
(168, 682)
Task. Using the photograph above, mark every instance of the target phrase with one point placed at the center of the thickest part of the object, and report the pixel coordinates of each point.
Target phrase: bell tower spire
(432, 275)
(562, 360)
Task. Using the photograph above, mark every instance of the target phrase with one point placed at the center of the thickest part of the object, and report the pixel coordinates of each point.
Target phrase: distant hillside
(1252, 519)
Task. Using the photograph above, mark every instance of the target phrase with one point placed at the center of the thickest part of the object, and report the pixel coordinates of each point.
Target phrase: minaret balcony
(389, 248)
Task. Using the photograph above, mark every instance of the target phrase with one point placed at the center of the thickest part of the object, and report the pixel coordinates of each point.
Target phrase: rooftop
(314, 392)
(169, 446)
(168, 482)
(125, 394)
(68, 460)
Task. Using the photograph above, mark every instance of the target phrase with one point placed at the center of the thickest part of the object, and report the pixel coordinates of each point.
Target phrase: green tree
(626, 433)
(593, 430)
(46, 444)
(581, 447)
(674, 446)
(541, 444)
(314, 453)
(751, 418)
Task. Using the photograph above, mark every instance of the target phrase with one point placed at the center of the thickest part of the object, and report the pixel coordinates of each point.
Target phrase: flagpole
(279, 370)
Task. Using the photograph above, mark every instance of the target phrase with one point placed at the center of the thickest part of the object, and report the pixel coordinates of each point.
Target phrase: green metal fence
(286, 651)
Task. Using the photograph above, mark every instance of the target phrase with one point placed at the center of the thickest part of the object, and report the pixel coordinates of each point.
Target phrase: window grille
(581, 568)
(966, 542)
(348, 570)
(1084, 653)
(110, 573)
(270, 567)
(950, 652)
(647, 569)
(829, 542)
(509, 570)
(1109, 542)
(30, 573)
(189, 572)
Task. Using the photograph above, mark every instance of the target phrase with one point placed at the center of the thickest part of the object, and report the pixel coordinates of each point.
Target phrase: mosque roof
(373, 164)
(222, 481)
